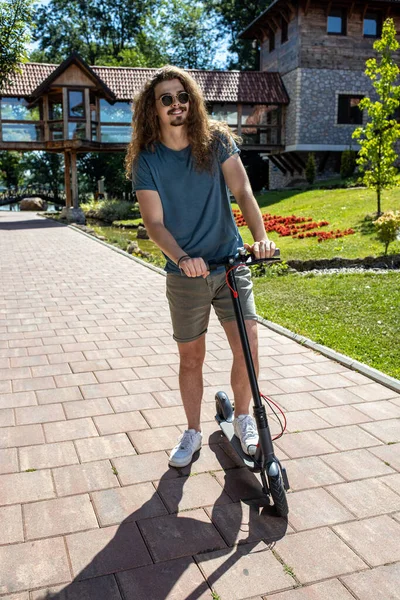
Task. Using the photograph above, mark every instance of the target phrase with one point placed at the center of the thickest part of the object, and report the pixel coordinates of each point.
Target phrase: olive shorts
(190, 300)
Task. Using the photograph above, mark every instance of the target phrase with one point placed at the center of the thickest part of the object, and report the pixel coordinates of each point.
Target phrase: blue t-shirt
(196, 204)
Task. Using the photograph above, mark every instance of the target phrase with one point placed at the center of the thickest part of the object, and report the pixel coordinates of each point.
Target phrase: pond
(14, 207)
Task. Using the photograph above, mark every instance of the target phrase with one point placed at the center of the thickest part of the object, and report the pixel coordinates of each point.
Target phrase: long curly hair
(203, 132)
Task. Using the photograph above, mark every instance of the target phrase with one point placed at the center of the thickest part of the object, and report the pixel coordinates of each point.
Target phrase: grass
(342, 208)
(353, 313)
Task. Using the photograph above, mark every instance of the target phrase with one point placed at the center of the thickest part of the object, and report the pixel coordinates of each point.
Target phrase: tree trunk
(378, 192)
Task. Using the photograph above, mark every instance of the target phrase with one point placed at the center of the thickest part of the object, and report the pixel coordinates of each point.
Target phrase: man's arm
(237, 181)
(153, 218)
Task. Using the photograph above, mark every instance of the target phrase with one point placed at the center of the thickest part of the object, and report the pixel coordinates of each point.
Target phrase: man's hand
(262, 249)
(194, 267)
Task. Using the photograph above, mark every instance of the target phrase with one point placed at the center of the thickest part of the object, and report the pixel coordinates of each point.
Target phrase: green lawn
(355, 314)
(343, 208)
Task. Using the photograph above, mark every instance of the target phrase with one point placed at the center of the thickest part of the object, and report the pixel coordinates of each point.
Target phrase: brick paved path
(89, 408)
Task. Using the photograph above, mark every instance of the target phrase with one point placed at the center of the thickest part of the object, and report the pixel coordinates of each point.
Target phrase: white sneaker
(246, 430)
(189, 442)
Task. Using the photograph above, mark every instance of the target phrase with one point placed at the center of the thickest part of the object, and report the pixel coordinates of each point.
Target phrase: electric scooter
(273, 474)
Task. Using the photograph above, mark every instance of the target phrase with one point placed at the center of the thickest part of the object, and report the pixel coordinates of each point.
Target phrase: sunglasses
(168, 99)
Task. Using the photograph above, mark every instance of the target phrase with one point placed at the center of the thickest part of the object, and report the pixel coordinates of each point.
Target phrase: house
(319, 47)
(73, 107)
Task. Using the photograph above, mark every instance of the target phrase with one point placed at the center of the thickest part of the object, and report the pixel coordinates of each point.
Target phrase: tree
(311, 168)
(235, 16)
(45, 168)
(94, 165)
(11, 169)
(377, 139)
(15, 16)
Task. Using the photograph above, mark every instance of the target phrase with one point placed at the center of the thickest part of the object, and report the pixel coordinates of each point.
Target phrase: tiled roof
(217, 86)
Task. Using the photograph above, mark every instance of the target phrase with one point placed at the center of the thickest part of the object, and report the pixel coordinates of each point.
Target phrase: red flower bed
(290, 226)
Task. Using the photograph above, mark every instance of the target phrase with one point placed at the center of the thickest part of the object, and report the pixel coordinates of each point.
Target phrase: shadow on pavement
(152, 555)
(33, 223)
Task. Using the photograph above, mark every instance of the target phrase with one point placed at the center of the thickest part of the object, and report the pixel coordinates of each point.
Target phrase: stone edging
(386, 380)
(390, 262)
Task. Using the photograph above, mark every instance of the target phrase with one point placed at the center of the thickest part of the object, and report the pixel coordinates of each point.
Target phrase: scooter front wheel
(277, 490)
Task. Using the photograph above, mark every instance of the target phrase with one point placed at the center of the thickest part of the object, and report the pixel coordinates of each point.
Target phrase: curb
(355, 365)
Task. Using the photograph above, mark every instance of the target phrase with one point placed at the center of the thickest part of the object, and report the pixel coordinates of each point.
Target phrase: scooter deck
(228, 431)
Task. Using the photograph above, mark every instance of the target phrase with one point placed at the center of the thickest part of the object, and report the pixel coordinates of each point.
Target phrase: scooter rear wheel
(223, 407)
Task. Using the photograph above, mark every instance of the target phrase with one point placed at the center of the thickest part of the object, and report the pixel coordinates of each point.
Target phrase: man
(182, 165)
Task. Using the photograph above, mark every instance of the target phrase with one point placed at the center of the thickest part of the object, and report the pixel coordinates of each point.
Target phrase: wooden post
(239, 117)
(46, 117)
(88, 128)
(65, 111)
(67, 179)
(74, 181)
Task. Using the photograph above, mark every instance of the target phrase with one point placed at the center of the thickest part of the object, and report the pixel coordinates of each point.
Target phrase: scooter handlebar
(243, 258)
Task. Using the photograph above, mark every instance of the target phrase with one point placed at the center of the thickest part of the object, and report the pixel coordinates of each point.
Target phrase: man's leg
(239, 377)
(192, 356)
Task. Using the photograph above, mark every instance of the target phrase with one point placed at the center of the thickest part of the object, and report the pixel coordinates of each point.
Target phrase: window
(224, 112)
(337, 22)
(271, 41)
(349, 112)
(284, 31)
(76, 104)
(18, 109)
(372, 25)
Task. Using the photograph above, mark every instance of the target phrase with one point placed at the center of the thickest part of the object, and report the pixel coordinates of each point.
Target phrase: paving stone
(336, 397)
(102, 390)
(89, 365)
(109, 446)
(39, 414)
(107, 550)
(393, 481)
(310, 472)
(297, 384)
(25, 487)
(69, 357)
(59, 516)
(366, 498)
(373, 392)
(162, 417)
(349, 437)
(246, 571)
(18, 399)
(164, 438)
(116, 375)
(181, 534)
(50, 370)
(69, 430)
(315, 508)
(382, 583)
(11, 529)
(307, 443)
(376, 540)
(191, 492)
(33, 564)
(7, 418)
(30, 385)
(342, 415)
(357, 464)
(23, 435)
(213, 457)
(297, 401)
(5, 387)
(8, 461)
(23, 596)
(78, 479)
(67, 394)
(387, 431)
(319, 591)
(333, 381)
(170, 398)
(87, 408)
(166, 581)
(304, 420)
(389, 454)
(47, 456)
(250, 521)
(318, 554)
(133, 402)
(128, 504)
(99, 588)
(120, 423)
(380, 410)
(144, 467)
(240, 484)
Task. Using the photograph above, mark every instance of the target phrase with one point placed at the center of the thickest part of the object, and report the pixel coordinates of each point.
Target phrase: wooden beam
(277, 164)
(299, 160)
(286, 163)
(67, 179)
(328, 7)
(1, 127)
(46, 117)
(65, 112)
(74, 181)
(307, 6)
(351, 10)
(364, 10)
(292, 163)
(291, 8)
(239, 110)
(275, 22)
(88, 125)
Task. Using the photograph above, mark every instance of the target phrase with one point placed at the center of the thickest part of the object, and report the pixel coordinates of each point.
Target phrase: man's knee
(192, 354)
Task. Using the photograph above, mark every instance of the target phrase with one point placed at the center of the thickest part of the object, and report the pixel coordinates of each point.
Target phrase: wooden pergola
(72, 107)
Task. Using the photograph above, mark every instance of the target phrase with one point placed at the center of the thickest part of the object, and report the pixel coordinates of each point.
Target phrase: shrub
(388, 228)
(110, 210)
(348, 163)
(311, 168)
